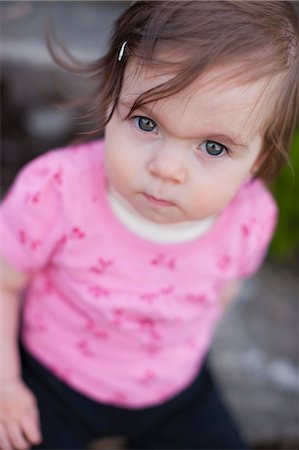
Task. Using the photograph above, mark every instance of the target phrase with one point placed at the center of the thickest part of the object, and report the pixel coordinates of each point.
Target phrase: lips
(158, 201)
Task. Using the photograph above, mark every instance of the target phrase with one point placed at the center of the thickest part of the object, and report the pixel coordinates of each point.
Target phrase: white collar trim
(156, 232)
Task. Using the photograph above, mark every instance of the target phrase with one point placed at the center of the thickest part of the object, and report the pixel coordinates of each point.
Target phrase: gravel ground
(255, 356)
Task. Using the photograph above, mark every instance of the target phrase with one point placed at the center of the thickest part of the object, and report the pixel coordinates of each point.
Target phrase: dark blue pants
(194, 419)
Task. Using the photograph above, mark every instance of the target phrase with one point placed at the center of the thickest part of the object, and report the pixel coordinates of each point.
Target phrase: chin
(156, 218)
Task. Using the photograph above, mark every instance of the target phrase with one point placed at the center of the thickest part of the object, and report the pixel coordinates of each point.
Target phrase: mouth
(158, 201)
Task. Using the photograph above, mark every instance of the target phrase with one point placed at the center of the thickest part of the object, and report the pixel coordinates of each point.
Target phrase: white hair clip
(122, 51)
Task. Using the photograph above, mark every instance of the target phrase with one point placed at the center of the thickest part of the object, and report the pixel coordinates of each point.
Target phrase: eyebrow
(229, 140)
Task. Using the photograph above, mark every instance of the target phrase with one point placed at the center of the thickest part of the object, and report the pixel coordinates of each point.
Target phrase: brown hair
(262, 36)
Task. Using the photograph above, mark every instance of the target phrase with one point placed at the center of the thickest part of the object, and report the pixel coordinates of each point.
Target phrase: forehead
(216, 98)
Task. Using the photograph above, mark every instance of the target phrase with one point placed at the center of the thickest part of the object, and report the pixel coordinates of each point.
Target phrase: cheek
(214, 195)
(119, 166)
(213, 202)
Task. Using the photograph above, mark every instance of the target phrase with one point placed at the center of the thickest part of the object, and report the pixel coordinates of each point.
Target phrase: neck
(152, 231)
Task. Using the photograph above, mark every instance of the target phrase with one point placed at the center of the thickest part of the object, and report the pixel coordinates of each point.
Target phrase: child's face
(184, 157)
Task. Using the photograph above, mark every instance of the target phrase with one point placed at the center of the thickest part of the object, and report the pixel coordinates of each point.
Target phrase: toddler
(120, 255)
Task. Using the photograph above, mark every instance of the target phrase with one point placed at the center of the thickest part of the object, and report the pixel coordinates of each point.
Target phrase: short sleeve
(30, 214)
(257, 229)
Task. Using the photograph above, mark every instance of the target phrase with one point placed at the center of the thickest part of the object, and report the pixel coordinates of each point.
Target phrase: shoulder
(37, 208)
(255, 200)
(53, 178)
(256, 217)
(72, 157)
(56, 168)
(260, 195)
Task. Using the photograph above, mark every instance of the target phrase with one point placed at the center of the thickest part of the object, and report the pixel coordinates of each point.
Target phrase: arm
(12, 284)
(229, 293)
(18, 413)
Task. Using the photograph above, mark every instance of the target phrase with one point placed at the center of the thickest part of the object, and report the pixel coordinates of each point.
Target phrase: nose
(168, 165)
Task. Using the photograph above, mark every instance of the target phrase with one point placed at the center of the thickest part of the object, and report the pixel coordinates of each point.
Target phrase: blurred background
(255, 352)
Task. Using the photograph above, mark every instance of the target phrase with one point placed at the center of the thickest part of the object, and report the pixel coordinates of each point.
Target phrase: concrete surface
(255, 356)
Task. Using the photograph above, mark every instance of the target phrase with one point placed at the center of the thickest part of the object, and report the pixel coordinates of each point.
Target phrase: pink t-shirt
(121, 319)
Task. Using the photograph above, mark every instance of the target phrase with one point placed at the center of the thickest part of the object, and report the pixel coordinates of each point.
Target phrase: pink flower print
(167, 290)
(145, 323)
(61, 243)
(90, 325)
(62, 373)
(101, 266)
(97, 333)
(23, 237)
(157, 260)
(48, 287)
(147, 378)
(191, 343)
(78, 233)
(164, 395)
(155, 335)
(171, 264)
(118, 317)
(217, 286)
(198, 298)
(162, 261)
(35, 244)
(101, 334)
(98, 291)
(83, 346)
(118, 398)
(152, 348)
(36, 197)
(105, 263)
(224, 262)
(27, 198)
(57, 176)
(245, 230)
(33, 197)
(148, 297)
(148, 325)
(42, 171)
(39, 322)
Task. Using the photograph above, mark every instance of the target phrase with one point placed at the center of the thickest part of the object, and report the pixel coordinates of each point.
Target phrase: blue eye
(145, 124)
(215, 149)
